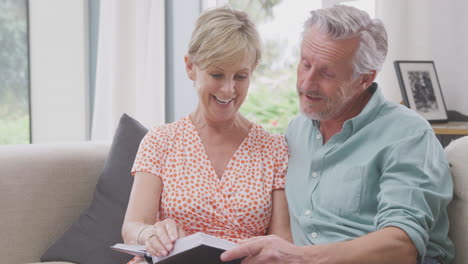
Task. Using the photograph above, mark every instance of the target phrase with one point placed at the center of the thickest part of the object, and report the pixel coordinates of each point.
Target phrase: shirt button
(318, 136)
(314, 174)
(308, 212)
(314, 235)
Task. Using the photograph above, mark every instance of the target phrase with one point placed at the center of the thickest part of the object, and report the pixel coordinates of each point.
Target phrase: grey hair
(345, 22)
(224, 34)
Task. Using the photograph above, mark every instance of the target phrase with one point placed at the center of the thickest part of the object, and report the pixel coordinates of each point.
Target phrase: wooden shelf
(451, 128)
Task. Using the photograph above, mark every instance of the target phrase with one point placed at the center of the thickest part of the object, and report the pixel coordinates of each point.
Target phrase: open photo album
(195, 248)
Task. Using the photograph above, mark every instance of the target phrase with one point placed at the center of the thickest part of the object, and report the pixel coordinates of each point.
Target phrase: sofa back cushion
(457, 155)
(88, 239)
(43, 188)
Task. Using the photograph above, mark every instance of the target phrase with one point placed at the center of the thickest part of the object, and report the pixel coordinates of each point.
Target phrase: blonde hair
(224, 35)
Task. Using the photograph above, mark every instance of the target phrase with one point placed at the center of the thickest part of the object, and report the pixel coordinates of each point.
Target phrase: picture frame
(420, 89)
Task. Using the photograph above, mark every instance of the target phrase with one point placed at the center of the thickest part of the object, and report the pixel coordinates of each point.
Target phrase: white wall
(59, 70)
(461, 102)
(448, 40)
(428, 30)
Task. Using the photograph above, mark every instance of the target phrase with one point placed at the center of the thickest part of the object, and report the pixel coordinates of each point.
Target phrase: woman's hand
(164, 234)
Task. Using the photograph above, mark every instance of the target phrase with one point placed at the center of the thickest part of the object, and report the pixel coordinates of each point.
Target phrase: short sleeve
(151, 154)
(281, 162)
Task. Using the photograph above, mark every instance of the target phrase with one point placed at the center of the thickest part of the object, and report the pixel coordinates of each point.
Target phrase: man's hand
(267, 249)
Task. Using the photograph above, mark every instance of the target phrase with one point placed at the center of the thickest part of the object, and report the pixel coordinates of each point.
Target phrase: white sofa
(457, 155)
(43, 188)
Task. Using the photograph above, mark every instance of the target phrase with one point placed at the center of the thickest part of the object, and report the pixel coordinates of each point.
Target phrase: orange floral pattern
(237, 206)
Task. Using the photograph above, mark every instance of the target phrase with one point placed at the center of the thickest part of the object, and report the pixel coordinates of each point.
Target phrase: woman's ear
(190, 68)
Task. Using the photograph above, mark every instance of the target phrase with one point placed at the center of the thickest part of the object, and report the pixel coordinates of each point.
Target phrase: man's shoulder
(397, 117)
(298, 124)
(299, 121)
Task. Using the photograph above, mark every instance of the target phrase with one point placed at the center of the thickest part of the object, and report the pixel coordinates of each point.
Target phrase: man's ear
(368, 79)
(190, 68)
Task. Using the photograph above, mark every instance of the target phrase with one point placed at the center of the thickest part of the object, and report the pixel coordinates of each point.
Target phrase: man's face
(325, 77)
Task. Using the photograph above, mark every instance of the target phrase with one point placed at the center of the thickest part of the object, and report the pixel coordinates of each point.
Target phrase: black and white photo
(421, 90)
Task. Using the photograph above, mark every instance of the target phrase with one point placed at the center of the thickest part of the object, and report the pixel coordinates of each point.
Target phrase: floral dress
(234, 207)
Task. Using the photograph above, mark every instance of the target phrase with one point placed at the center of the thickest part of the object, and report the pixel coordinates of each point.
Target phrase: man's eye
(328, 74)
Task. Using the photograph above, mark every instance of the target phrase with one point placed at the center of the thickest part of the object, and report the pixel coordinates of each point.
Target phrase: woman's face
(221, 88)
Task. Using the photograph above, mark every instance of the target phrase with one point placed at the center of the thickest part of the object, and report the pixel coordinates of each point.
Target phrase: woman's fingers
(155, 247)
(164, 235)
(162, 230)
(180, 232)
(171, 229)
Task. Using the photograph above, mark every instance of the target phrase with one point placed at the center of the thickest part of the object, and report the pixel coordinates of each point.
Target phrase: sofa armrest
(43, 188)
(457, 153)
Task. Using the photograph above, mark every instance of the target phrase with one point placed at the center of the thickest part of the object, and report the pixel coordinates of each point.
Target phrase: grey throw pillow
(88, 239)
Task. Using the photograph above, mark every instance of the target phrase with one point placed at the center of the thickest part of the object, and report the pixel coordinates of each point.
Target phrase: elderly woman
(212, 171)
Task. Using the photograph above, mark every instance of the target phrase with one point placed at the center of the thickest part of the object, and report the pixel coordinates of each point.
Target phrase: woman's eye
(240, 76)
(217, 75)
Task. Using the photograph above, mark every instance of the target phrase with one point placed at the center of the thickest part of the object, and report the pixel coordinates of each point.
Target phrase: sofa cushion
(457, 153)
(53, 262)
(88, 239)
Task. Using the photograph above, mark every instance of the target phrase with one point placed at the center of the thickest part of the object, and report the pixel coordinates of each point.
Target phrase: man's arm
(388, 245)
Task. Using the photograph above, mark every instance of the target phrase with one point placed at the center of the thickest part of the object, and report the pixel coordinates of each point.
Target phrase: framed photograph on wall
(420, 89)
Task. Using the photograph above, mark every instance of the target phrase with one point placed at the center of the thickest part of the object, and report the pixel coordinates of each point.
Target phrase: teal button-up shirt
(385, 168)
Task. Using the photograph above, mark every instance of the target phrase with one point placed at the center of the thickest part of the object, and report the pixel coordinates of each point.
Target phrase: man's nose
(310, 77)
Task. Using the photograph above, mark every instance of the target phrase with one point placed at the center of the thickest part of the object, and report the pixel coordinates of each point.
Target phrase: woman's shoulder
(169, 130)
(265, 137)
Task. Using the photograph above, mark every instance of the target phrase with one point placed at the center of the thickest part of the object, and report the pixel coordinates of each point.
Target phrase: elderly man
(367, 180)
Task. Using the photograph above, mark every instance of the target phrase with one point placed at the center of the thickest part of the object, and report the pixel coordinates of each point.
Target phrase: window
(272, 100)
(14, 73)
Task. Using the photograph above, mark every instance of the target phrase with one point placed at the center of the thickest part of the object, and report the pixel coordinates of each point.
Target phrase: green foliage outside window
(14, 83)
(272, 100)
(9, 130)
(271, 110)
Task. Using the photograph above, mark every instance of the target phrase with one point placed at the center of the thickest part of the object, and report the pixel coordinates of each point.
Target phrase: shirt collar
(371, 109)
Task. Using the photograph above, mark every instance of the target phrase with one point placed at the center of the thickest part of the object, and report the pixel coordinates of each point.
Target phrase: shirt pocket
(340, 192)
